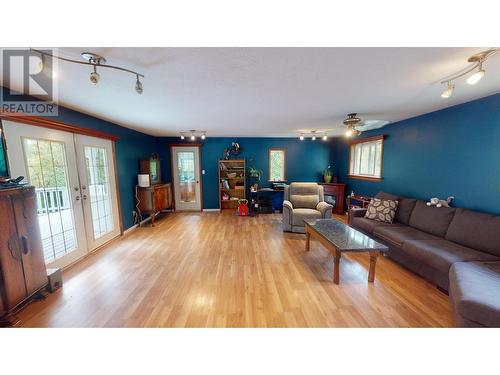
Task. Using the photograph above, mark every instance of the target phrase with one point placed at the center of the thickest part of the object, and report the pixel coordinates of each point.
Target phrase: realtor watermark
(29, 82)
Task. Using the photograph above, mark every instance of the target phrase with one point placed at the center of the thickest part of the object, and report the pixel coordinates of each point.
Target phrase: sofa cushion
(477, 230)
(299, 214)
(441, 254)
(397, 235)
(475, 292)
(368, 225)
(433, 220)
(382, 210)
(304, 201)
(405, 208)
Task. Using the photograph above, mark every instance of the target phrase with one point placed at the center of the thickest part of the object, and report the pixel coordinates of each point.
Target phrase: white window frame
(374, 147)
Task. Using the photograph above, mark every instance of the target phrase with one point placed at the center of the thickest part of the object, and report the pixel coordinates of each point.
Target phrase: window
(276, 164)
(366, 158)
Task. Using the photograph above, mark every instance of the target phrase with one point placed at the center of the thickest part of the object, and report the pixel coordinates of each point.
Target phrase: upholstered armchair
(303, 200)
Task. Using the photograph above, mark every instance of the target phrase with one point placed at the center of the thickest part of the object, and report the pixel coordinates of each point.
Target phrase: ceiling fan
(355, 125)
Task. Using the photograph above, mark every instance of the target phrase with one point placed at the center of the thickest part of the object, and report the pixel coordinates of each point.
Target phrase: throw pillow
(382, 210)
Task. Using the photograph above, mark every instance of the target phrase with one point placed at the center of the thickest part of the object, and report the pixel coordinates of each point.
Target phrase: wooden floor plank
(220, 270)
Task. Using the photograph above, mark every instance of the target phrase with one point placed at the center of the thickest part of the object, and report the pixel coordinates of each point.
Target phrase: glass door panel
(187, 181)
(186, 174)
(47, 172)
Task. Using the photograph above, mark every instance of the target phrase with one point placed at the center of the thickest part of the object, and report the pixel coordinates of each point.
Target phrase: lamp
(476, 77)
(449, 90)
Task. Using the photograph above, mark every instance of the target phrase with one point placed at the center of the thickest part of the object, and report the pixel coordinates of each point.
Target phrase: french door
(74, 180)
(186, 176)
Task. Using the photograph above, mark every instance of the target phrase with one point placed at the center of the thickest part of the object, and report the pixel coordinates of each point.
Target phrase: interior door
(186, 176)
(99, 195)
(47, 159)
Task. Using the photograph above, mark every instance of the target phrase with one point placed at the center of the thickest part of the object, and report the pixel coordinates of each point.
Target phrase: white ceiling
(267, 91)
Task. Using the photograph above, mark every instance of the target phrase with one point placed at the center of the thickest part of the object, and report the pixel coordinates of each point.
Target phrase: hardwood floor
(220, 270)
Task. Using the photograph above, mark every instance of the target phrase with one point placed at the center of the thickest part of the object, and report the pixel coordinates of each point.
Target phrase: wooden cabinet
(334, 194)
(232, 182)
(22, 267)
(153, 199)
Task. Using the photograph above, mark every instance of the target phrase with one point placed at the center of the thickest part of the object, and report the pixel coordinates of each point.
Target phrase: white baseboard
(211, 210)
(135, 226)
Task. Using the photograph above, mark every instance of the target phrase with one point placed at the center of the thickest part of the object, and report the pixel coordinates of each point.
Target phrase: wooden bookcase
(232, 182)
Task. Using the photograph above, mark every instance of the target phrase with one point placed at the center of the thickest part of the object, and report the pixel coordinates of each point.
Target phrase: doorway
(74, 180)
(186, 177)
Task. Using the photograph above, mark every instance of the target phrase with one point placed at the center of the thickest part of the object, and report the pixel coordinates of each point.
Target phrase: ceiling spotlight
(182, 136)
(95, 77)
(301, 137)
(325, 137)
(138, 86)
(449, 90)
(203, 136)
(313, 138)
(476, 77)
(193, 137)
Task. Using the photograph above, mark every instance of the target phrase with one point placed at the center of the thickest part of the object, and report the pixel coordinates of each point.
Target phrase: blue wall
(131, 147)
(305, 160)
(455, 151)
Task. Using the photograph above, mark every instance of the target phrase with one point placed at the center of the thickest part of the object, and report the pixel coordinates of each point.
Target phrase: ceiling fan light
(348, 133)
(476, 77)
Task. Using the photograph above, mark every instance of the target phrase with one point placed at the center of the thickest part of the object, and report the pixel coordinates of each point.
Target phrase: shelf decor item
(232, 183)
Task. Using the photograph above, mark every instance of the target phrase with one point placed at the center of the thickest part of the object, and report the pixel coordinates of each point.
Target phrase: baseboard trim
(211, 210)
(135, 226)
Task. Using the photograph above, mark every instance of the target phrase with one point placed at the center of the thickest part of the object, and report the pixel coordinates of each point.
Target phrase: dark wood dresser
(22, 267)
(154, 199)
(334, 194)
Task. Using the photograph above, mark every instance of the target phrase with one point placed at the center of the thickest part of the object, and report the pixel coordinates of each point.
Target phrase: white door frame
(186, 147)
(81, 142)
(59, 129)
(14, 135)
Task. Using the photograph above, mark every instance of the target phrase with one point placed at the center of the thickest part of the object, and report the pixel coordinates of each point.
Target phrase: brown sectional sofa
(456, 249)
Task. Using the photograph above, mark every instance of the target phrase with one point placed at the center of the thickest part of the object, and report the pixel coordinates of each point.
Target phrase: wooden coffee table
(338, 237)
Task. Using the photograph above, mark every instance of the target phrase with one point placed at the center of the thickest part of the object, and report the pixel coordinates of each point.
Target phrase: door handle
(77, 197)
(84, 196)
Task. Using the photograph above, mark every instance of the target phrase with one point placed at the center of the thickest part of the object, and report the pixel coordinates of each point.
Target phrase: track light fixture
(313, 134)
(477, 61)
(193, 134)
(449, 90)
(95, 61)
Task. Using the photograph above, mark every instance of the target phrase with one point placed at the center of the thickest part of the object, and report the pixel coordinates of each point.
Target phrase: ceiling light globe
(476, 77)
(138, 87)
(348, 133)
(94, 78)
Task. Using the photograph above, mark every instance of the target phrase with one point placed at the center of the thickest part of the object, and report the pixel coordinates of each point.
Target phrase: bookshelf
(232, 182)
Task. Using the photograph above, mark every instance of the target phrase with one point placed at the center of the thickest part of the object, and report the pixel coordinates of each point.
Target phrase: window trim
(284, 164)
(367, 140)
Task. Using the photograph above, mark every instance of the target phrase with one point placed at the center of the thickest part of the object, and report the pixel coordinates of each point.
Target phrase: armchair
(303, 200)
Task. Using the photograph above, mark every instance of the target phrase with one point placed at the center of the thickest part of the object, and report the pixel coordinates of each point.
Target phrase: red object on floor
(243, 207)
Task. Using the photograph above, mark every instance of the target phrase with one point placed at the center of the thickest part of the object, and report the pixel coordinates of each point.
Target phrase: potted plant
(255, 174)
(327, 175)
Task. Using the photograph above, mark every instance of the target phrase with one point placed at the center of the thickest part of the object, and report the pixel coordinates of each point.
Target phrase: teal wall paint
(131, 147)
(305, 160)
(454, 151)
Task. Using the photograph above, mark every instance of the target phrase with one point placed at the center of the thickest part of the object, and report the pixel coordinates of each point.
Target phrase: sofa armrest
(325, 209)
(356, 212)
(287, 215)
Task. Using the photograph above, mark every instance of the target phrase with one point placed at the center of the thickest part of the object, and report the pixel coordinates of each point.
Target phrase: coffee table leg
(308, 241)
(336, 266)
(373, 262)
